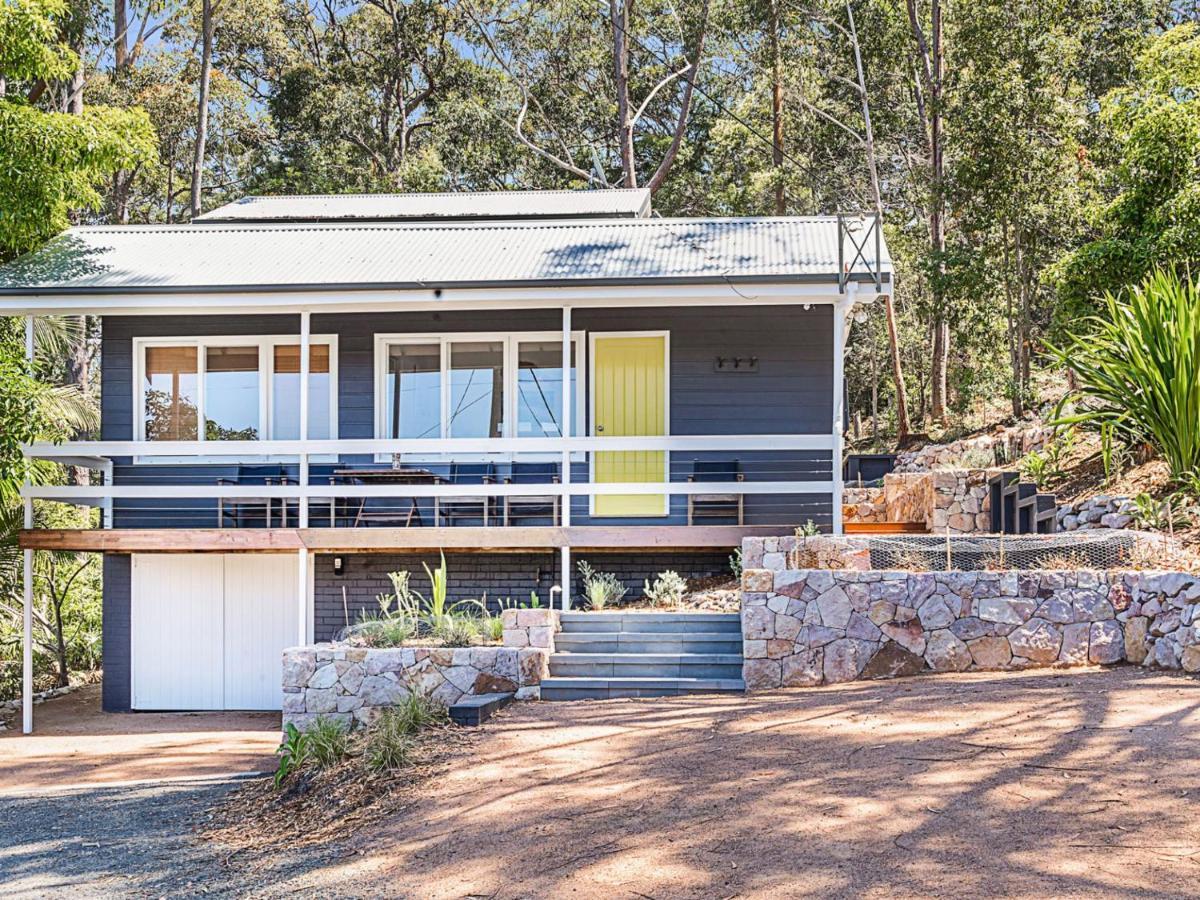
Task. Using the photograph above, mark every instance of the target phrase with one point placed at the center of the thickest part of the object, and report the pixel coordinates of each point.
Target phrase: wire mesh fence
(1072, 550)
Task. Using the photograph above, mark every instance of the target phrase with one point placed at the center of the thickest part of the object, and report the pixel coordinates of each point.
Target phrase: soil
(716, 593)
(1078, 784)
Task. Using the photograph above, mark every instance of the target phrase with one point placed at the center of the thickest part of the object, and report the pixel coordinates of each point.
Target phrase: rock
(298, 667)
(348, 704)
(804, 669)
(1091, 606)
(1056, 609)
(1107, 643)
(1190, 660)
(1135, 639)
(293, 703)
(352, 678)
(990, 652)
(842, 661)
(787, 627)
(893, 661)
(380, 690)
(969, 628)
(859, 627)
(881, 611)
(934, 613)
(446, 694)
(759, 622)
(762, 674)
(320, 700)
(1006, 610)
(834, 607)
(486, 683)
(760, 580)
(946, 653)
(1038, 641)
(324, 677)
(1115, 520)
(910, 635)
(1074, 650)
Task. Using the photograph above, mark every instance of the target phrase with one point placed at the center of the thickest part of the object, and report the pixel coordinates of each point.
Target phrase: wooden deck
(372, 540)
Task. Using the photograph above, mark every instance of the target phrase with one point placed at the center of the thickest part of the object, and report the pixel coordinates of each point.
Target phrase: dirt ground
(74, 742)
(1081, 784)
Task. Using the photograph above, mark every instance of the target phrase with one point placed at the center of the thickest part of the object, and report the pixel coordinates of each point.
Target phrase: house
(242, 514)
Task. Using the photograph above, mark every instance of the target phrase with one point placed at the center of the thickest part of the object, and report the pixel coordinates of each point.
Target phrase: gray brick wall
(500, 575)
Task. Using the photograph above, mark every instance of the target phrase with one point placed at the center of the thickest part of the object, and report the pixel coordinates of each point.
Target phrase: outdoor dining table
(386, 476)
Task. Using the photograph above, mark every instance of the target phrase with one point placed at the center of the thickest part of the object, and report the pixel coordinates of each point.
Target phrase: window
(473, 386)
(241, 388)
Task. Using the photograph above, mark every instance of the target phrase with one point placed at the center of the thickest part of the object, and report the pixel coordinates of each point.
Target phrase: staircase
(1018, 507)
(599, 655)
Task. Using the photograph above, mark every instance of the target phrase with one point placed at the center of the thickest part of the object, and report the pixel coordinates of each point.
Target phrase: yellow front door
(629, 377)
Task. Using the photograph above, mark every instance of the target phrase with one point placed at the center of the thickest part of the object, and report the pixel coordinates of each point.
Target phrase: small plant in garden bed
(407, 618)
(668, 589)
(600, 589)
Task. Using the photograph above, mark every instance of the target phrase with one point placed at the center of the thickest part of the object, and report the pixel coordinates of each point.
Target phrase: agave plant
(1137, 368)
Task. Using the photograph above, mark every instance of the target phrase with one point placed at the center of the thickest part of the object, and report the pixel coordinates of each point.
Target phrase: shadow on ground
(1065, 784)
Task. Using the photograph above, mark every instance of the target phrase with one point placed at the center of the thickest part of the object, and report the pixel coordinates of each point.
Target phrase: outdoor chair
(540, 506)
(466, 507)
(716, 506)
(238, 511)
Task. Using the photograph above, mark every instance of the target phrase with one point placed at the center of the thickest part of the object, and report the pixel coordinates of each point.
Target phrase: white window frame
(510, 340)
(266, 368)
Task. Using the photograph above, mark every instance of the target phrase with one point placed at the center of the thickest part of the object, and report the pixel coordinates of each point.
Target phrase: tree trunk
(937, 225)
(619, 11)
(120, 37)
(206, 42)
(777, 110)
(903, 427)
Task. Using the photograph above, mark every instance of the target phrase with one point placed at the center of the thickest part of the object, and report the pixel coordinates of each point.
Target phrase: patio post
(302, 623)
(27, 608)
(305, 366)
(839, 367)
(568, 401)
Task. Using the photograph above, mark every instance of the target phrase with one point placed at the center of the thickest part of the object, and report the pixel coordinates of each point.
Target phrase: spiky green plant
(1137, 368)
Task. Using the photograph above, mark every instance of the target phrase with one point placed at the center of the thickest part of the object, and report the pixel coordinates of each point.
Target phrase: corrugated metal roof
(478, 205)
(147, 258)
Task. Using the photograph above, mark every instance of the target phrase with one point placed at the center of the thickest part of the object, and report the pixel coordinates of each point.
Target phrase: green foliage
(1138, 370)
(53, 162)
(1153, 221)
(493, 628)
(389, 741)
(293, 752)
(328, 742)
(668, 589)
(1046, 465)
(1163, 515)
(735, 564)
(808, 529)
(600, 589)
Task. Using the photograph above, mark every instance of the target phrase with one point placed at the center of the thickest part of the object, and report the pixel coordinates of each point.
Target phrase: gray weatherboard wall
(792, 391)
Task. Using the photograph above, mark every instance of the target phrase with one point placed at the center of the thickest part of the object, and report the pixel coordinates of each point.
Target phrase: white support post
(568, 404)
(27, 609)
(566, 577)
(839, 369)
(302, 586)
(106, 505)
(305, 366)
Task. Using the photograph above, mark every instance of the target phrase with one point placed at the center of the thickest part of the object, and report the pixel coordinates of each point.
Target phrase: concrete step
(646, 665)
(607, 688)
(576, 623)
(648, 642)
(477, 709)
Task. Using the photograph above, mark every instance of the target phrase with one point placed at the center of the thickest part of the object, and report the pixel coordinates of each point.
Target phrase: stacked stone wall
(804, 627)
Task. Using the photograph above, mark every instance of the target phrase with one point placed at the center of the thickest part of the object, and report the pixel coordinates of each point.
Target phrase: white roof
(199, 258)
(477, 205)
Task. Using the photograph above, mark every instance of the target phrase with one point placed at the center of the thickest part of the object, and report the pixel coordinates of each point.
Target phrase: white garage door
(208, 630)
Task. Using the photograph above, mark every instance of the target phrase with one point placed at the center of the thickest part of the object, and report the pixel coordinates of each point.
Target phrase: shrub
(493, 628)
(457, 629)
(328, 742)
(808, 529)
(390, 739)
(735, 564)
(376, 631)
(1138, 370)
(293, 753)
(600, 589)
(668, 589)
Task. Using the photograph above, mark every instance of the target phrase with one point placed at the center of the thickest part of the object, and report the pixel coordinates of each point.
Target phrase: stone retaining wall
(352, 685)
(957, 500)
(1010, 443)
(1097, 512)
(804, 627)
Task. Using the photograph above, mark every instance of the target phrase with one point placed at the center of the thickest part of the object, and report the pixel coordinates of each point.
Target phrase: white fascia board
(348, 301)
